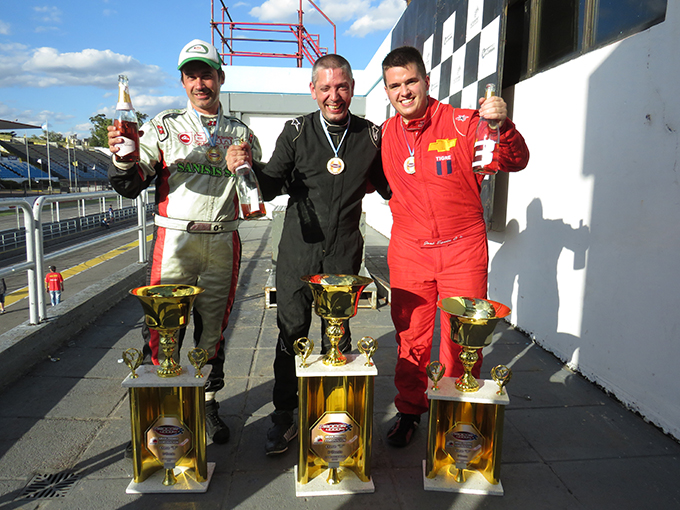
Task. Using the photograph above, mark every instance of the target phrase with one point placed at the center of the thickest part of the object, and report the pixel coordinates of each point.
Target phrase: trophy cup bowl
(473, 321)
(336, 298)
(167, 309)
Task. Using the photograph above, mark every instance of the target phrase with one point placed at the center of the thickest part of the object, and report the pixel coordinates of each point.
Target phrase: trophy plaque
(465, 427)
(335, 393)
(167, 402)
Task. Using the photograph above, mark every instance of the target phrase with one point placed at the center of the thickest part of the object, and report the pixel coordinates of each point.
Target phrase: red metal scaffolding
(227, 34)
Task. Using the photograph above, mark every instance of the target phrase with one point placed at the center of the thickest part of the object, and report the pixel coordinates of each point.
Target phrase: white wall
(588, 261)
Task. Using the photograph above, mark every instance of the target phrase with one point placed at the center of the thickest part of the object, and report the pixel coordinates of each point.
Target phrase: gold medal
(213, 155)
(335, 166)
(410, 165)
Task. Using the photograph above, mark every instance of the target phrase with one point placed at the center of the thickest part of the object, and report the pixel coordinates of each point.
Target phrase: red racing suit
(195, 239)
(438, 245)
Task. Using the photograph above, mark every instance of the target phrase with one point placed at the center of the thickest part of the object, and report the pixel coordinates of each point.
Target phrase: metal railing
(35, 254)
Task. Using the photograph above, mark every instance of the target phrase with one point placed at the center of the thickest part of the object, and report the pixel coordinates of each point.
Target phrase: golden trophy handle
(435, 371)
(367, 346)
(502, 375)
(198, 358)
(303, 347)
(133, 359)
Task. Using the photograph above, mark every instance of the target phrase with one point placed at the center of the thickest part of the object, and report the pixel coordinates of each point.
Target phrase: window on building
(541, 34)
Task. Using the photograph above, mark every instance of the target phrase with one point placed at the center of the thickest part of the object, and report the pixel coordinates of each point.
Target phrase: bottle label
(254, 199)
(127, 147)
(124, 106)
(483, 153)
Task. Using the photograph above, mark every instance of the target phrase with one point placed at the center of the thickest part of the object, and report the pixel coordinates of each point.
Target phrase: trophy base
(186, 482)
(474, 483)
(318, 486)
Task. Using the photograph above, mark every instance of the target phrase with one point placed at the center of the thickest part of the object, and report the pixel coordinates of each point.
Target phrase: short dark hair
(402, 57)
(53, 268)
(331, 61)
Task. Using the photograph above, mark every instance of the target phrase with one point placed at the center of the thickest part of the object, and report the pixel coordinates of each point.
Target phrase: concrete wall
(592, 222)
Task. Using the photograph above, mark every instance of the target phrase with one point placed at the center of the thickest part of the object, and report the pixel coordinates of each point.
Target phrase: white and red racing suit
(438, 244)
(196, 241)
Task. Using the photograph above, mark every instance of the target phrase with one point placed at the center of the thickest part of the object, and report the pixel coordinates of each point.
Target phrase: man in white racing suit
(196, 241)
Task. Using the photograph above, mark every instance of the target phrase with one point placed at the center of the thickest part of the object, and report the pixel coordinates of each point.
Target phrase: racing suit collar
(419, 124)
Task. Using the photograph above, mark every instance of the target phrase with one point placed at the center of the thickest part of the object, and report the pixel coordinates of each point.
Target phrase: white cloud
(285, 11)
(150, 105)
(282, 11)
(382, 17)
(369, 15)
(21, 66)
(47, 14)
(4, 28)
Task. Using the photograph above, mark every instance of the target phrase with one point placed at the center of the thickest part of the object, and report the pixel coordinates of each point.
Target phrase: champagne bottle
(249, 194)
(126, 123)
(485, 161)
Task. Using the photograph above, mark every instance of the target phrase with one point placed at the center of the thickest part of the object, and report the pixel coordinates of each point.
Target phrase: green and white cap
(200, 50)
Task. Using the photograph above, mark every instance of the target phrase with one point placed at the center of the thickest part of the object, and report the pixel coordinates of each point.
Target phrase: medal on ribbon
(335, 165)
(410, 165)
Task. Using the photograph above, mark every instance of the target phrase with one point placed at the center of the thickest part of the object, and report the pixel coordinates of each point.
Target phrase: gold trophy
(465, 428)
(167, 403)
(336, 298)
(167, 310)
(473, 321)
(335, 394)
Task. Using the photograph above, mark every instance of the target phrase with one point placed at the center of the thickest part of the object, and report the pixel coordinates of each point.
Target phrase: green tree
(98, 133)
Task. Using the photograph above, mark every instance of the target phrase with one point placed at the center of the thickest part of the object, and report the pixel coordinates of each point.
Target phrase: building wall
(587, 259)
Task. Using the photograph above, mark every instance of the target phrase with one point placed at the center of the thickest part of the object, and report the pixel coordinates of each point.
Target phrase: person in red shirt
(438, 244)
(54, 284)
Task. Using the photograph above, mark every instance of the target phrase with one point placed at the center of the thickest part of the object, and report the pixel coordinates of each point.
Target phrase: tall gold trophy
(167, 402)
(465, 429)
(335, 394)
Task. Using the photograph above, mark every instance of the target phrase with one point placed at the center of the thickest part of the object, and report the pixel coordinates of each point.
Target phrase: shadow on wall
(523, 255)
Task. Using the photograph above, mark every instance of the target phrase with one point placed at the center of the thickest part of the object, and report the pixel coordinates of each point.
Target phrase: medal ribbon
(328, 136)
(410, 150)
(212, 139)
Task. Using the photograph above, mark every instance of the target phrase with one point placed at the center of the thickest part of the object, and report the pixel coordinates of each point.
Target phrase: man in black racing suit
(324, 161)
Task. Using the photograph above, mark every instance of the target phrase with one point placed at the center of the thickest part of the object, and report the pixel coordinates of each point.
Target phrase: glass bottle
(485, 161)
(126, 123)
(249, 194)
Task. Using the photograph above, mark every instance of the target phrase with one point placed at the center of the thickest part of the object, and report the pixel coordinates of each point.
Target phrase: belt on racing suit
(196, 227)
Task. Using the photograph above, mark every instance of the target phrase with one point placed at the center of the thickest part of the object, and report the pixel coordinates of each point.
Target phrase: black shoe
(215, 428)
(402, 431)
(282, 433)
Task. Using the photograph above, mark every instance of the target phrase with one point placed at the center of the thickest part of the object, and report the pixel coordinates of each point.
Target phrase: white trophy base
(474, 483)
(186, 482)
(318, 486)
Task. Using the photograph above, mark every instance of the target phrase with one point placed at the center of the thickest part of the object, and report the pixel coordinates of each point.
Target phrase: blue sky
(60, 61)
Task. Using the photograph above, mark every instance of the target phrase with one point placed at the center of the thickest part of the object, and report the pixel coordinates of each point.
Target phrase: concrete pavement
(567, 445)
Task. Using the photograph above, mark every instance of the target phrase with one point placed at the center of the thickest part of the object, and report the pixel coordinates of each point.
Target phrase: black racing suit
(321, 228)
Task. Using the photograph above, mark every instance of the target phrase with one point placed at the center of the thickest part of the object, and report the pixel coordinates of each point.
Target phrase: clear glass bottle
(249, 194)
(126, 123)
(485, 161)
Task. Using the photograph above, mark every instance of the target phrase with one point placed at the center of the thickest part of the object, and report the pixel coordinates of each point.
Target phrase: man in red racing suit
(438, 244)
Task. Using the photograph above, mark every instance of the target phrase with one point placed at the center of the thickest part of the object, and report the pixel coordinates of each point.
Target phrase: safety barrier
(34, 242)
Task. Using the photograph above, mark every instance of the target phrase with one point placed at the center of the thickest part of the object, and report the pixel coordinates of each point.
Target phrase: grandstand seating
(92, 164)
(19, 170)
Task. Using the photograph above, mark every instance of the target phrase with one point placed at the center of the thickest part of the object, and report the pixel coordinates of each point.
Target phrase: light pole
(49, 168)
(28, 163)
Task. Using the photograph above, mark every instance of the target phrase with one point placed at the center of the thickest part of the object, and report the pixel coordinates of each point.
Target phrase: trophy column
(465, 427)
(167, 402)
(335, 393)
(168, 432)
(464, 439)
